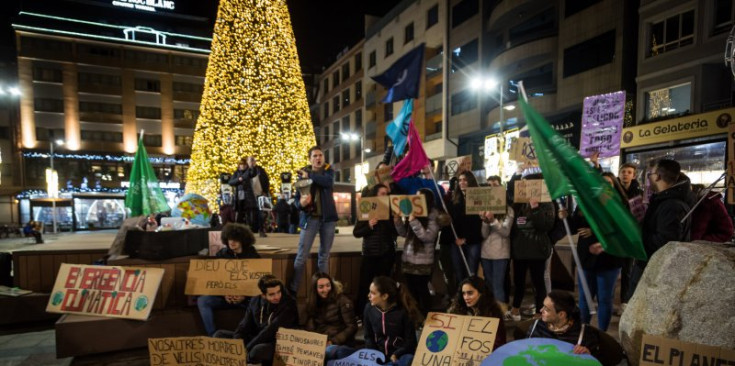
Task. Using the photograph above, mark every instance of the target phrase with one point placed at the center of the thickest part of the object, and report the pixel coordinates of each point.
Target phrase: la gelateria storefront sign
(698, 125)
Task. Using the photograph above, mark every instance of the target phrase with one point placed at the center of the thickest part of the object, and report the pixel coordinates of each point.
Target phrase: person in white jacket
(495, 252)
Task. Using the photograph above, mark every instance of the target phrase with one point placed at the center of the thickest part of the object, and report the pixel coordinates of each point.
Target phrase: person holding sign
(238, 241)
(560, 320)
(390, 321)
(378, 247)
(475, 299)
(496, 247)
(268, 312)
(418, 250)
(332, 313)
(467, 227)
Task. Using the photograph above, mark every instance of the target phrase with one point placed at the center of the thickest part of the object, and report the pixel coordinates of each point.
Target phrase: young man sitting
(560, 320)
(268, 312)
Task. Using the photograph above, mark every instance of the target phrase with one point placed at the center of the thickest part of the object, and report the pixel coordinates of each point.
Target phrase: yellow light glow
(360, 171)
(52, 183)
(254, 100)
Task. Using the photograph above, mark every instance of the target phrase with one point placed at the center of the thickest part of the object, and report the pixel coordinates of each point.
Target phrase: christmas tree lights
(254, 100)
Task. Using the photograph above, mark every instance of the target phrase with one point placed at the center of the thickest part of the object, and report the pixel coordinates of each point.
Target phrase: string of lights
(108, 158)
(33, 193)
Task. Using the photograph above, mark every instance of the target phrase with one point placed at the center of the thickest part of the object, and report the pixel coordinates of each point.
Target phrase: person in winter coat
(238, 241)
(332, 313)
(495, 252)
(246, 204)
(710, 220)
(560, 320)
(266, 313)
(260, 185)
(475, 299)
(283, 214)
(418, 250)
(378, 247)
(390, 321)
(468, 229)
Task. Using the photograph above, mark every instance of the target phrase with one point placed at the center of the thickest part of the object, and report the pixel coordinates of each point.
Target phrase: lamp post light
(52, 180)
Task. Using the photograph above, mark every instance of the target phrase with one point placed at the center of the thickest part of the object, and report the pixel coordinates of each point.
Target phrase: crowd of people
(392, 304)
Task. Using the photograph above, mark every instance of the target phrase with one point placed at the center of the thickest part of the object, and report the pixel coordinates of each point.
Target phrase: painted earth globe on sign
(193, 207)
(537, 352)
(437, 341)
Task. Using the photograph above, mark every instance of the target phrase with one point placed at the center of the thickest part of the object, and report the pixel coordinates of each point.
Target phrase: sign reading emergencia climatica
(697, 125)
(146, 5)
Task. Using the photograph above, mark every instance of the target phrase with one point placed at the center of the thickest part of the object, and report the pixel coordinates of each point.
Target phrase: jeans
(537, 279)
(472, 254)
(336, 352)
(495, 277)
(418, 286)
(207, 305)
(371, 267)
(602, 284)
(325, 230)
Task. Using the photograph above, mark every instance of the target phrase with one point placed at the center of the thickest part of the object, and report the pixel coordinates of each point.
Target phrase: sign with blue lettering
(602, 124)
(363, 357)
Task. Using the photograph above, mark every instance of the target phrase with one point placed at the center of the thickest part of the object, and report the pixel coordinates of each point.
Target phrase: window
(148, 85)
(358, 90)
(536, 80)
(464, 55)
(336, 157)
(389, 47)
(335, 128)
(335, 79)
(466, 9)
(146, 57)
(388, 112)
(48, 105)
(325, 136)
(589, 54)
(188, 87)
(346, 152)
(358, 120)
(346, 175)
(667, 101)
(189, 61)
(463, 101)
(152, 140)
(147, 112)
(432, 16)
(326, 85)
(346, 97)
(572, 7)
(358, 62)
(184, 140)
(372, 59)
(335, 104)
(88, 78)
(105, 136)
(186, 114)
(97, 107)
(346, 124)
(345, 71)
(535, 27)
(99, 51)
(724, 15)
(326, 109)
(47, 74)
(408, 33)
(326, 157)
(671, 33)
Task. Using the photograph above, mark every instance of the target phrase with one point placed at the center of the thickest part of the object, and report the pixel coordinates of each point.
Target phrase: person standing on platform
(318, 215)
(246, 205)
(283, 214)
(260, 185)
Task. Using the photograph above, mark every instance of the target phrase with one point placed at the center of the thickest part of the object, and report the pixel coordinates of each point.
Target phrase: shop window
(371, 59)
(358, 62)
(724, 16)
(466, 9)
(147, 112)
(463, 101)
(345, 71)
(572, 7)
(589, 54)
(464, 55)
(703, 163)
(432, 16)
(674, 100)
(671, 33)
(408, 33)
(389, 47)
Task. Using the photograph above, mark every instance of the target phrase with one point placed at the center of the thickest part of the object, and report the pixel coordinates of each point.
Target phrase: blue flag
(397, 130)
(403, 77)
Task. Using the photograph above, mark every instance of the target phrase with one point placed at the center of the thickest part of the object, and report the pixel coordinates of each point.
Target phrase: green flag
(566, 172)
(144, 196)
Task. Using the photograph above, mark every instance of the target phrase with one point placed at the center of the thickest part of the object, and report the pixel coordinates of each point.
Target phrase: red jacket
(710, 220)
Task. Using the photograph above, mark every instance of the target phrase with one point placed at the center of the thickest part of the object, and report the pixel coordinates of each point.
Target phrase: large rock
(687, 293)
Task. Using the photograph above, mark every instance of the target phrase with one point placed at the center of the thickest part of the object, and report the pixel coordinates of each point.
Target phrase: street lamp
(52, 179)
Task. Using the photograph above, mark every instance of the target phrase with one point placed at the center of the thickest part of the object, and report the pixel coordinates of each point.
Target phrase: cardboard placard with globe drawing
(373, 208)
(449, 339)
(538, 351)
(405, 205)
(482, 199)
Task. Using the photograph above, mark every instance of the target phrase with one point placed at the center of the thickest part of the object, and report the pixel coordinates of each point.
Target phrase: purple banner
(602, 123)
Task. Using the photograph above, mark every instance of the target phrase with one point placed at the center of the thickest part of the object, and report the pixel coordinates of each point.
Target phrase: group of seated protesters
(391, 318)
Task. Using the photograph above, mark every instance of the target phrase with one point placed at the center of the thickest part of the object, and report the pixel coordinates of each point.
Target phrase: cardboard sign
(480, 199)
(458, 165)
(449, 339)
(299, 348)
(110, 291)
(226, 276)
(361, 357)
(373, 208)
(522, 150)
(405, 205)
(602, 124)
(196, 351)
(657, 351)
(381, 176)
(532, 188)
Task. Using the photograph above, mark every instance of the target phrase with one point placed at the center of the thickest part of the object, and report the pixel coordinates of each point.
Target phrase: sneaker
(509, 316)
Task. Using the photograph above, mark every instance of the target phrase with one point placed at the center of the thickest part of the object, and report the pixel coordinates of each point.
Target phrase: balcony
(434, 65)
(434, 104)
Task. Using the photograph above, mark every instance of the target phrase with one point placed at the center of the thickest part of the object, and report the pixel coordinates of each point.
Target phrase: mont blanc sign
(145, 5)
(697, 125)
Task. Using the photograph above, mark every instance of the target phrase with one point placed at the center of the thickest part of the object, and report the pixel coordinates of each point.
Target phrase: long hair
(486, 304)
(399, 294)
(313, 300)
(457, 195)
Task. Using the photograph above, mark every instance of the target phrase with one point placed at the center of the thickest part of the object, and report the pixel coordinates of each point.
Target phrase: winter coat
(323, 182)
(283, 210)
(248, 252)
(265, 184)
(244, 197)
(391, 332)
(710, 220)
(418, 249)
(262, 320)
(468, 227)
(601, 262)
(377, 241)
(633, 190)
(662, 222)
(336, 319)
(590, 338)
(530, 240)
(496, 244)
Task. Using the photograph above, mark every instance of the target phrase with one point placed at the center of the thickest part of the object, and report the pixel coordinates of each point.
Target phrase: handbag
(257, 188)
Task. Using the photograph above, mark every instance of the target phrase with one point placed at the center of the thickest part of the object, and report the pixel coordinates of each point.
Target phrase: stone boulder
(687, 293)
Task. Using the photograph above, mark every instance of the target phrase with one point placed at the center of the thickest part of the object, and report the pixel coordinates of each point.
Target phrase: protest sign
(449, 339)
(538, 351)
(657, 350)
(458, 165)
(299, 348)
(480, 199)
(405, 205)
(196, 351)
(602, 124)
(110, 291)
(522, 150)
(362, 357)
(531, 188)
(384, 175)
(374, 208)
(226, 276)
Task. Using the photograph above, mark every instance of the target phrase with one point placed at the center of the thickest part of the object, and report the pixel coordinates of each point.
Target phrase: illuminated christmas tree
(254, 100)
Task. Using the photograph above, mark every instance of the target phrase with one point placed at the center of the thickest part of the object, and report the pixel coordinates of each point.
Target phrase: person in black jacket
(468, 229)
(332, 313)
(560, 320)
(246, 204)
(266, 313)
(238, 241)
(283, 213)
(378, 247)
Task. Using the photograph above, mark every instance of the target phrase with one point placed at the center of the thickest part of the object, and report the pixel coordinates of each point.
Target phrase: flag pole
(451, 224)
(706, 192)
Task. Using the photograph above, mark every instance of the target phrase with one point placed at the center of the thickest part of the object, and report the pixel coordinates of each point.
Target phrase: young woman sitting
(475, 299)
(330, 312)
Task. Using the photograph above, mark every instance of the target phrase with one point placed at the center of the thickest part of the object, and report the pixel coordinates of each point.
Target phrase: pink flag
(414, 160)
